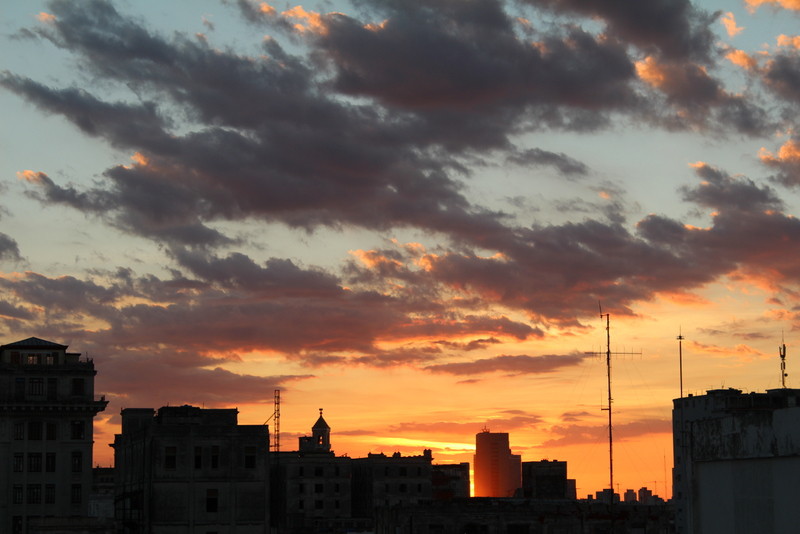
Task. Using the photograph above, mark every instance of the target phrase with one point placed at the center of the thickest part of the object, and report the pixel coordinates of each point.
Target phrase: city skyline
(407, 213)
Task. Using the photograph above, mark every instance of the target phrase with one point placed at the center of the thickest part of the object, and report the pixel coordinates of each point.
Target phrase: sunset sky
(407, 212)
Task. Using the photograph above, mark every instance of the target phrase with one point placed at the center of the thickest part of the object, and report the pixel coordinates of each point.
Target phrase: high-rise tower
(498, 473)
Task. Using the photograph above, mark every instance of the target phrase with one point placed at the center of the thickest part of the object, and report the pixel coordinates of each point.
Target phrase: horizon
(408, 213)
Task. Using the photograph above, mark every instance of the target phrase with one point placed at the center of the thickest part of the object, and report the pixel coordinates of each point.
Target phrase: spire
(321, 424)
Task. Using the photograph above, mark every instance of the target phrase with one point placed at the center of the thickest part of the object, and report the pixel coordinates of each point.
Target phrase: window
(318, 471)
(16, 494)
(19, 430)
(212, 500)
(76, 429)
(198, 457)
(50, 358)
(403, 471)
(35, 462)
(34, 493)
(76, 494)
(300, 471)
(15, 357)
(19, 462)
(32, 359)
(50, 494)
(249, 457)
(301, 504)
(77, 461)
(52, 431)
(318, 504)
(52, 388)
(36, 386)
(50, 462)
(19, 389)
(403, 488)
(170, 457)
(35, 430)
(318, 488)
(301, 488)
(214, 456)
(77, 386)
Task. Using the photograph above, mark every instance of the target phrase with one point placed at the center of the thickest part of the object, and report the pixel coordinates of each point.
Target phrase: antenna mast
(782, 353)
(608, 354)
(610, 427)
(680, 357)
(277, 415)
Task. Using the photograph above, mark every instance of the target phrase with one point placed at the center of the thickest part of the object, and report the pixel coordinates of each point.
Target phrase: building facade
(312, 486)
(737, 462)
(450, 481)
(498, 473)
(546, 479)
(185, 469)
(47, 406)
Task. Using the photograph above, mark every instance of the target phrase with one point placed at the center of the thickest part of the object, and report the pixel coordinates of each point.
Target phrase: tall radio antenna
(608, 354)
(782, 353)
(680, 357)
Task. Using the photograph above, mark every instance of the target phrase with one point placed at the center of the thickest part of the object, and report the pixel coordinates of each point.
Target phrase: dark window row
(37, 465)
(48, 430)
(212, 460)
(33, 494)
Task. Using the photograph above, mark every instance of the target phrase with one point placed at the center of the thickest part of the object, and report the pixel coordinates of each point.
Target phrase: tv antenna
(782, 353)
(608, 354)
(680, 357)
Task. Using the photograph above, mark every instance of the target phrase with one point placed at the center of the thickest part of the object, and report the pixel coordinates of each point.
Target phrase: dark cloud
(565, 165)
(782, 75)
(519, 364)
(675, 29)
(786, 162)
(10, 311)
(579, 434)
(9, 249)
(135, 379)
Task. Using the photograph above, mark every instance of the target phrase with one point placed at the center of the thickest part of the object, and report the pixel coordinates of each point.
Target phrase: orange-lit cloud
(309, 21)
(752, 5)
(785, 40)
(33, 177)
(789, 152)
(742, 59)
(729, 21)
(47, 18)
(266, 9)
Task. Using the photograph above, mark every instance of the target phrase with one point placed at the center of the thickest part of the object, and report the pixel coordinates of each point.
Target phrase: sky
(408, 214)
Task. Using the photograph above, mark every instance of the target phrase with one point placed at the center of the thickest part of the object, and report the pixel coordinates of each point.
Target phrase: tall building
(737, 462)
(498, 473)
(185, 469)
(47, 405)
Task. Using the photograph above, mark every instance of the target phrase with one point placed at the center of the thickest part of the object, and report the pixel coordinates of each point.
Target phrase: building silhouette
(546, 479)
(737, 462)
(498, 473)
(312, 487)
(188, 469)
(450, 481)
(47, 405)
